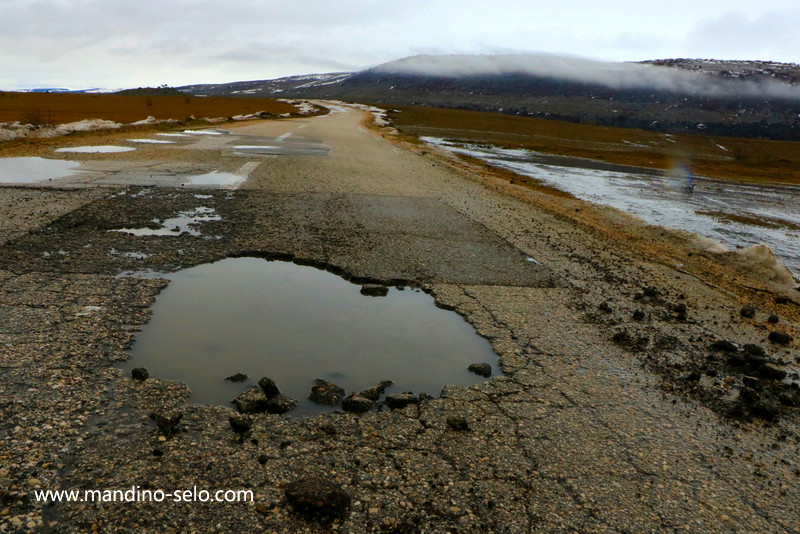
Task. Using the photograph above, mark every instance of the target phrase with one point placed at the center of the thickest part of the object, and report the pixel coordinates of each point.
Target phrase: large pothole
(294, 324)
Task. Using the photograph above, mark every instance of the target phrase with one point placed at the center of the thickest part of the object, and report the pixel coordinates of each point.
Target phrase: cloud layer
(117, 43)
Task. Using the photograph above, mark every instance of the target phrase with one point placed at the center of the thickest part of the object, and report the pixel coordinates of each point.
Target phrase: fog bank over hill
(713, 97)
(613, 75)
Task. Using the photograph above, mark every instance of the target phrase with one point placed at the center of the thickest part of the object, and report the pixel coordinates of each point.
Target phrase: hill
(730, 98)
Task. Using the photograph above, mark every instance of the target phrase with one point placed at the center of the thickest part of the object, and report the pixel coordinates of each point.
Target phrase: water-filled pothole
(296, 323)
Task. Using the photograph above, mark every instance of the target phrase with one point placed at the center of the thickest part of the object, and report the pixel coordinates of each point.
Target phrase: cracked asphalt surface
(586, 429)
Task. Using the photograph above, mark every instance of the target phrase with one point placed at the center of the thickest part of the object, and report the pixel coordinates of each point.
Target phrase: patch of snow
(149, 120)
(16, 130)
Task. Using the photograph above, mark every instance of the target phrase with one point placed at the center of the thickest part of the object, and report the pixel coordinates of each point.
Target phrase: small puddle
(224, 180)
(296, 323)
(207, 131)
(100, 149)
(152, 141)
(34, 170)
(185, 222)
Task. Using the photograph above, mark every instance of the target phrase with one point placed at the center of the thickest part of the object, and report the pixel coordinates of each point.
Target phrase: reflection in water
(733, 213)
(294, 324)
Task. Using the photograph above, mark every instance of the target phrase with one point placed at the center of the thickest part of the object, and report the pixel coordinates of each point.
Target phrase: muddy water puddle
(294, 324)
(733, 213)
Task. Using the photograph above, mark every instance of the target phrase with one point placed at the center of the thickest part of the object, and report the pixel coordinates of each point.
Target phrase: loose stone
(140, 373)
(400, 400)
(167, 420)
(458, 424)
(318, 498)
(240, 422)
(781, 338)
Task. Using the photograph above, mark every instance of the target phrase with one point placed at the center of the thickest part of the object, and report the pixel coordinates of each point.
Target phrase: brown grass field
(59, 108)
(740, 159)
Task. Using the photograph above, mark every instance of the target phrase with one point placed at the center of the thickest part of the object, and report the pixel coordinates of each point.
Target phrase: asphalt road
(584, 429)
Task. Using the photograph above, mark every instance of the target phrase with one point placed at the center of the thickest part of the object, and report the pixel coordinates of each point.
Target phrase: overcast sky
(128, 43)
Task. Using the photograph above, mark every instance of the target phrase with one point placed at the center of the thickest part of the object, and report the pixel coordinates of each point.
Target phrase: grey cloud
(118, 42)
(735, 35)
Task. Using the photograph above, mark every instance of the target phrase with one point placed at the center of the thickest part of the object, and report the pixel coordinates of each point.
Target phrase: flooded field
(294, 324)
(735, 214)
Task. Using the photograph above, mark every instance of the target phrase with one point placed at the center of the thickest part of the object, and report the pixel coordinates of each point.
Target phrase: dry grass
(740, 159)
(59, 108)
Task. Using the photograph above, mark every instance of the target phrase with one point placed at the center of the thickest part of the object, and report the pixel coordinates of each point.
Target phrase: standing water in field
(736, 214)
(294, 324)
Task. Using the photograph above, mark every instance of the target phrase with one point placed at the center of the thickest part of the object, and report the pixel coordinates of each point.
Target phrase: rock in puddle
(481, 369)
(236, 377)
(326, 393)
(375, 392)
(374, 290)
(251, 401)
(318, 498)
(269, 387)
(401, 400)
(280, 404)
(357, 404)
(266, 397)
(140, 373)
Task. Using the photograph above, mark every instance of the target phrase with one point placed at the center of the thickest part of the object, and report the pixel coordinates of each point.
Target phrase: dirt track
(587, 429)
